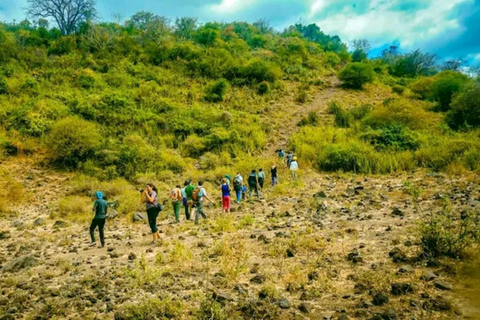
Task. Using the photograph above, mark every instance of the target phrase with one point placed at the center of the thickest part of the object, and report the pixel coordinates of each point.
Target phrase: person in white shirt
(201, 195)
(294, 168)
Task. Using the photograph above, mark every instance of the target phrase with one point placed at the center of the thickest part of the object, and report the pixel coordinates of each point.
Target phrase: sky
(449, 28)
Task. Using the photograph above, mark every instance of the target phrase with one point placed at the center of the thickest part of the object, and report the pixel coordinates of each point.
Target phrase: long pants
(199, 211)
(100, 223)
(152, 214)
(251, 188)
(260, 182)
(239, 195)
(226, 203)
(187, 212)
(274, 181)
(176, 210)
(294, 174)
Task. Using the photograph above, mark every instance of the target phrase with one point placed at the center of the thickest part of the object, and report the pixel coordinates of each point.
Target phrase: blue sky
(450, 28)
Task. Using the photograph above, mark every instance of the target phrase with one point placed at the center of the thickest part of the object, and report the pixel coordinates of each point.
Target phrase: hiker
(229, 179)
(253, 183)
(289, 159)
(198, 196)
(190, 203)
(261, 178)
(273, 173)
(281, 155)
(100, 208)
(294, 168)
(225, 196)
(150, 198)
(184, 199)
(244, 192)
(237, 186)
(176, 196)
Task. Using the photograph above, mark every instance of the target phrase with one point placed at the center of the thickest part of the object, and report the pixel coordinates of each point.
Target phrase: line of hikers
(291, 162)
(191, 197)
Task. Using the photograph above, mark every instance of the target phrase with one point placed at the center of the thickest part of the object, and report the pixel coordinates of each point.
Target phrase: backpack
(174, 195)
(195, 193)
(236, 181)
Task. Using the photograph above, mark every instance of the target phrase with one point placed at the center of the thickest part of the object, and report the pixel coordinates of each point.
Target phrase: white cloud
(231, 6)
(380, 24)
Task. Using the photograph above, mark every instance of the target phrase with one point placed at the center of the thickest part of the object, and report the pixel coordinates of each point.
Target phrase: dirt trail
(293, 112)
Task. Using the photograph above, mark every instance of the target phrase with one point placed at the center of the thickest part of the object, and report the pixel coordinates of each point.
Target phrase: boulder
(443, 285)
(305, 307)
(138, 216)
(401, 288)
(20, 263)
(380, 299)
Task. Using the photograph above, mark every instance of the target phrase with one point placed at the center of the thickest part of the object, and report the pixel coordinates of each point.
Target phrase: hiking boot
(93, 244)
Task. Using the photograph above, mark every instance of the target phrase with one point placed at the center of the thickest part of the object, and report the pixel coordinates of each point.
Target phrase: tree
(185, 27)
(465, 109)
(414, 64)
(454, 64)
(361, 44)
(356, 74)
(68, 14)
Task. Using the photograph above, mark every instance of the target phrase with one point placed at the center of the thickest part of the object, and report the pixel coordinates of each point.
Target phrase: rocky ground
(334, 247)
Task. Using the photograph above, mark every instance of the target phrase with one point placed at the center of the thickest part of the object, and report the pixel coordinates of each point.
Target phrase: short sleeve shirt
(153, 204)
(100, 206)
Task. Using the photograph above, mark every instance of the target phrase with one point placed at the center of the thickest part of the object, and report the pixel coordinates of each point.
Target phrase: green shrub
(3, 85)
(465, 109)
(450, 234)
(447, 83)
(355, 75)
(423, 87)
(343, 118)
(86, 81)
(301, 96)
(398, 89)
(263, 87)
(400, 112)
(153, 308)
(310, 120)
(217, 91)
(352, 156)
(193, 146)
(73, 141)
(394, 137)
(211, 310)
(360, 112)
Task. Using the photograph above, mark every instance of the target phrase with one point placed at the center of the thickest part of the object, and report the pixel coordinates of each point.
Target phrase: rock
(437, 304)
(443, 285)
(320, 194)
(429, 276)
(343, 317)
(283, 303)
(313, 275)
(114, 255)
(264, 239)
(350, 192)
(397, 212)
(138, 216)
(290, 253)
(59, 224)
(221, 297)
(241, 288)
(132, 256)
(401, 288)
(18, 224)
(39, 222)
(110, 249)
(20, 263)
(5, 235)
(390, 314)
(305, 307)
(112, 213)
(397, 255)
(259, 279)
(357, 259)
(405, 269)
(380, 299)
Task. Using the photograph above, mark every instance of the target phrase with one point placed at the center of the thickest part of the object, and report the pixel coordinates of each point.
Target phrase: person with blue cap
(100, 209)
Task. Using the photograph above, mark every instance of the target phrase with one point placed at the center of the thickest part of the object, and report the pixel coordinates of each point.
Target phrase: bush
(360, 112)
(445, 86)
(356, 74)
(343, 118)
(423, 87)
(394, 137)
(263, 87)
(465, 109)
(398, 112)
(217, 91)
(398, 89)
(310, 120)
(153, 308)
(447, 234)
(73, 141)
(352, 156)
(3, 85)
(301, 96)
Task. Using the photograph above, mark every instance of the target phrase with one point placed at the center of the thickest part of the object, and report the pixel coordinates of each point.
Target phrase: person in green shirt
(188, 191)
(100, 208)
